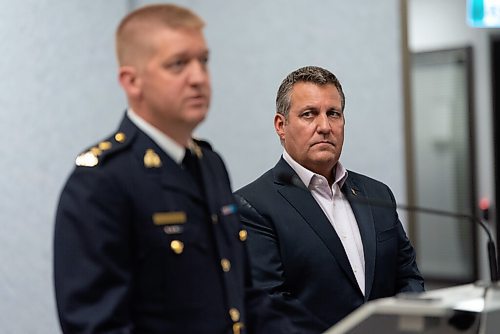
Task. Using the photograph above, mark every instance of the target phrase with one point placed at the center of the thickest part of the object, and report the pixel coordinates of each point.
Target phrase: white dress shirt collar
(306, 175)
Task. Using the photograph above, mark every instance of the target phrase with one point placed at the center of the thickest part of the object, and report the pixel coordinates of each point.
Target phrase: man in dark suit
(314, 239)
(147, 236)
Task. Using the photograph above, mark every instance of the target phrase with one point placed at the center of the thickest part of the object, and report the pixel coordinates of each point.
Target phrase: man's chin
(324, 151)
(195, 117)
(326, 157)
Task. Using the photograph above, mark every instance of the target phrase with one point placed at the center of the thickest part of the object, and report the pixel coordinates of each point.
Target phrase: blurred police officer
(147, 236)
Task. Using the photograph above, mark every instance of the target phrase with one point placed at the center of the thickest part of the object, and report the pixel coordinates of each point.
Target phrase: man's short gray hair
(312, 74)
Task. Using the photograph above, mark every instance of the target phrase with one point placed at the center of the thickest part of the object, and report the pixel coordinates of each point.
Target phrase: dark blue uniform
(140, 247)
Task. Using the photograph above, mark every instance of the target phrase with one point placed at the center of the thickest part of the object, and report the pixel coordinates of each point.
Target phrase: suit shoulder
(258, 186)
(366, 180)
(362, 177)
(104, 150)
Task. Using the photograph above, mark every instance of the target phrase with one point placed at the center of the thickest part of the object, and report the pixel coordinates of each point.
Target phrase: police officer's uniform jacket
(140, 247)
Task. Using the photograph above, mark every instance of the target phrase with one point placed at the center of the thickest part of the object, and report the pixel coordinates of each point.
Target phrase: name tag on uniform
(169, 218)
(173, 229)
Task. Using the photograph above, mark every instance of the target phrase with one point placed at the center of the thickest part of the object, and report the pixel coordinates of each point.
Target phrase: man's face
(313, 134)
(174, 81)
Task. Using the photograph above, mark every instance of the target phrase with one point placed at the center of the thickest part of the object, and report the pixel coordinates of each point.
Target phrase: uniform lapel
(208, 181)
(170, 174)
(214, 191)
(366, 225)
(175, 178)
(296, 193)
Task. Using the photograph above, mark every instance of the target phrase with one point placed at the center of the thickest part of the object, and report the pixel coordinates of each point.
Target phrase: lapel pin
(354, 192)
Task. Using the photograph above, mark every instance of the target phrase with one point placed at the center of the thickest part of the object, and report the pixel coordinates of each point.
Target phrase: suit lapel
(296, 193)
(364, 218)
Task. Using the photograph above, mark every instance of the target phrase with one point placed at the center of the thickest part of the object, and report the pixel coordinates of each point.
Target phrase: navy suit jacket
(138, 248)
(298, 257)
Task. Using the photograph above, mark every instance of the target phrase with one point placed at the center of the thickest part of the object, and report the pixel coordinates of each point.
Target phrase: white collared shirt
(167, 144)
(338, 211)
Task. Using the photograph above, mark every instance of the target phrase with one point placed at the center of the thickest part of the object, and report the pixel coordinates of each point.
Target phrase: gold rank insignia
(169, 218)
(193, 147)
(151, 159)
(104, 145)
(91, 157)
(96, 151)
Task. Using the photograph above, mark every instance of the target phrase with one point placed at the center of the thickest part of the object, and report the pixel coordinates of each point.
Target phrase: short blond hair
(133, 31)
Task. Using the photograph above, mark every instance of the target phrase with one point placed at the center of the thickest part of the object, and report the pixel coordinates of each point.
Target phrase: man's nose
(323, 124)
(198, 72)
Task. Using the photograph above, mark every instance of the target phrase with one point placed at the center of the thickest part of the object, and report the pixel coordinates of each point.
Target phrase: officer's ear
(130, 81)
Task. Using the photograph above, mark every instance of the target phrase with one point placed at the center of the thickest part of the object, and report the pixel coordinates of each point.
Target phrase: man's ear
(130, 81)
(279, 126)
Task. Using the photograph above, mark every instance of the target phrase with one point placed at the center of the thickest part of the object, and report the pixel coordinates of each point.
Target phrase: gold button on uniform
(235, 317)
(120, 137)
(215, 219)
(243, 235)
(226, 265)
(234, 314)
(177, 246)
(237, 327)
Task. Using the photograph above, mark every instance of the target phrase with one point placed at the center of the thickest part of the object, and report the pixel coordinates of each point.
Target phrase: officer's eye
(176, 66)
(204, 60)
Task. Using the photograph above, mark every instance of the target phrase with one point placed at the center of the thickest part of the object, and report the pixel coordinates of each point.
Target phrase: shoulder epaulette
(97, 153)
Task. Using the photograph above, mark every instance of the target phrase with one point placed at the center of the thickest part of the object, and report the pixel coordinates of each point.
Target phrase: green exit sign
(483, 13)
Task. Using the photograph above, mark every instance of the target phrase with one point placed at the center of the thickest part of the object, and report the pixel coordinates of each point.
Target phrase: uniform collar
(167, 144)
